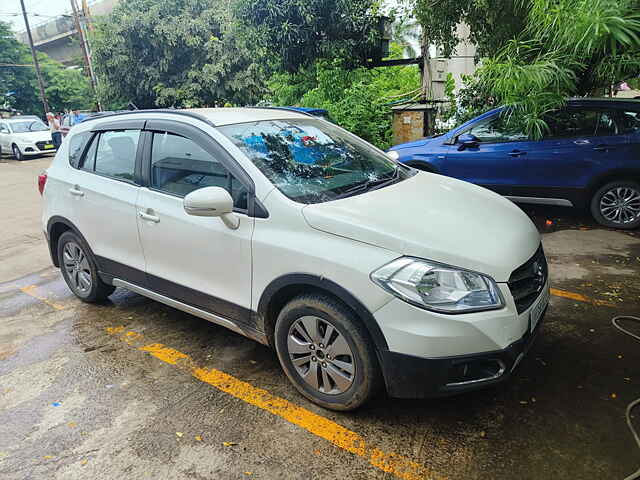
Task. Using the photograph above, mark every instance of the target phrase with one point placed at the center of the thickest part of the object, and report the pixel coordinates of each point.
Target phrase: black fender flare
(57, 219)
(320, 283)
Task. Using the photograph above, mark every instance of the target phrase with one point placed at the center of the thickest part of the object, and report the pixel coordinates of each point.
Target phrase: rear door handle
(602, 148)
(516, 153)
(75, 190)
(147, 216)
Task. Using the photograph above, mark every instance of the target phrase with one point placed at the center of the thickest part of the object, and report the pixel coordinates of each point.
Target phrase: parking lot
(135, 389)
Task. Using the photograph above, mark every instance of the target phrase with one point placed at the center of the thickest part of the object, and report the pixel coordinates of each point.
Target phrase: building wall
(461, 63)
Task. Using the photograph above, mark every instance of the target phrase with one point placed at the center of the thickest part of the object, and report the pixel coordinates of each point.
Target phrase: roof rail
(184, 113)
(288, 109)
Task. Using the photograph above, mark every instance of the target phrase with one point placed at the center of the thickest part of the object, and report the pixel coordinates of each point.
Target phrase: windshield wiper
(371, 184)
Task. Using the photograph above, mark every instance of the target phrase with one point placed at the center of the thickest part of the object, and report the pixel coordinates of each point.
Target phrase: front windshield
(311, 161)
(24, 126)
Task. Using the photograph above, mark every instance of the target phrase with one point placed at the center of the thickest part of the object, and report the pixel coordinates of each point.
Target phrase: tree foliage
(491, 22)
(65, 88)
(357, 99)
(567, 48)
(183, 53)
(296, 33)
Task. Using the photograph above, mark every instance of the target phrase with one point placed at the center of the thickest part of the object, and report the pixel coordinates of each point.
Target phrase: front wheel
(17, 153)
(80, 271)
(617, 205)
(326, 352)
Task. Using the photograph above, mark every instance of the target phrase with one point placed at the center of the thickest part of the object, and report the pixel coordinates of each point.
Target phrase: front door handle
(147, 216)
(75, 190)
(517, 153)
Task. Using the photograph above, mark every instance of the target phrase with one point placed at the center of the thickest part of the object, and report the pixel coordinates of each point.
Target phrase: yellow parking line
(581, 298)
(320, 426)
(30, 290)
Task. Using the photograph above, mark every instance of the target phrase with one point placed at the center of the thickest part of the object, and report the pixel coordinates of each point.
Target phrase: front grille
(41, 145)
(526, 282)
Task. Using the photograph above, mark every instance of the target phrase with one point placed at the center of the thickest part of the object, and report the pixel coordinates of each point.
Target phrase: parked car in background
(316, 112)
(361, 272)
(589, 158)
(73, 118)
(25, 136)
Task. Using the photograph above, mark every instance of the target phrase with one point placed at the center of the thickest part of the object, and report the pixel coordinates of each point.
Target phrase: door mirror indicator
(211, 202)
(467, 140)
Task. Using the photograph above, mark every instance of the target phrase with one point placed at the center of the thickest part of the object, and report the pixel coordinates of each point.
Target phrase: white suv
(359, 271)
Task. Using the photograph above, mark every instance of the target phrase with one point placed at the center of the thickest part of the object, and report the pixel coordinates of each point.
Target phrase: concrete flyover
(58, 37)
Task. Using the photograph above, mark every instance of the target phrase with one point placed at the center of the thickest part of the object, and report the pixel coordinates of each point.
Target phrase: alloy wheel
(621, 205)
(321, 355)
(77, 267)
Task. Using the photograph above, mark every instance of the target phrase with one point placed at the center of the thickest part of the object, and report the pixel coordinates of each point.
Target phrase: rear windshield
(28, 126)
(312, 161)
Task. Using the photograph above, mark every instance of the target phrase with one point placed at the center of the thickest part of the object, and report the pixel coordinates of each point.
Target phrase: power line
(17, 14)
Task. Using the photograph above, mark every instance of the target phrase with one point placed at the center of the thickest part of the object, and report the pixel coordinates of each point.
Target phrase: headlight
(393, 154)
(438, 287)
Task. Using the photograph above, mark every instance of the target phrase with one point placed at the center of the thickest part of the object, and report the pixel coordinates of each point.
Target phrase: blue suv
(589, 158)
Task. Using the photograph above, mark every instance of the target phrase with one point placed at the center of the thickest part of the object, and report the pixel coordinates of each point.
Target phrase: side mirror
(211, 202)
(467, 140)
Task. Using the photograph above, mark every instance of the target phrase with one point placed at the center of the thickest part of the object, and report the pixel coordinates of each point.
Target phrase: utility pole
(45, 104)
(85, 51)
(425, 67)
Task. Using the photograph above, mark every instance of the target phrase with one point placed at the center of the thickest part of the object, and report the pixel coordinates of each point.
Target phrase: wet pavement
(134, 389)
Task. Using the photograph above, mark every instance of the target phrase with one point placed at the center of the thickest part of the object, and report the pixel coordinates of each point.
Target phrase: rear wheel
(326, 353)
(617, 205)
(80, 271)
(17, 153)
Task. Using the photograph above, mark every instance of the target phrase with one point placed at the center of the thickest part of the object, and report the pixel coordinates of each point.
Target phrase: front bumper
(33, 148)
(408, 376)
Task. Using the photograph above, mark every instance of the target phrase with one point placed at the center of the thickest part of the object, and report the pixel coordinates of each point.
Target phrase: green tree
(15, 81)
(183, 53)
(65, 88)
(357, 99)
(296, 33)
(567, 48)
(491, 22)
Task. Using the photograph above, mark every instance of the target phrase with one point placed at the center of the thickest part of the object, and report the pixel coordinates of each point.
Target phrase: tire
(17, 153)
(341, 375)
(617, 205)
(79, 269)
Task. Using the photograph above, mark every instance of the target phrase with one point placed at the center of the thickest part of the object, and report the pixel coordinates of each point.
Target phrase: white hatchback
(25, 136)
(359, 271)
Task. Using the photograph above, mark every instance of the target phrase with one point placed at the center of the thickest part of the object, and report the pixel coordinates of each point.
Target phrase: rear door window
(76, 147)
(116, 154)
(572, 123)
(113, 154)
(629, 121)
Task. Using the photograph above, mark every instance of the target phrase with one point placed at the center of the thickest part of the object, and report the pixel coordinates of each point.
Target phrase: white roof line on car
(214, 116)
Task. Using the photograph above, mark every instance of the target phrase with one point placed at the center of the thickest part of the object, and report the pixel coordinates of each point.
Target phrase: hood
(32, 137)
(416, 143)
(437, 218)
